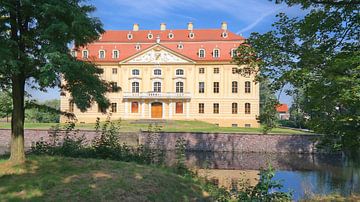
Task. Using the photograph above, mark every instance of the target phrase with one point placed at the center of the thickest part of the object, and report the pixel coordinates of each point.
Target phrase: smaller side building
(283, 111)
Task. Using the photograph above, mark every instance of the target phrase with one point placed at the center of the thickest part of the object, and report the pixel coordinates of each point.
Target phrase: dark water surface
(305, 174)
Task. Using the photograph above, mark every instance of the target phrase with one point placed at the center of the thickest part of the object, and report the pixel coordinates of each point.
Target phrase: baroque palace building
(171, 74)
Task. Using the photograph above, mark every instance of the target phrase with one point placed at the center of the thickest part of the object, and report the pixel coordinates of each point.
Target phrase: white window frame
(132, 72)
(137, 46)
(87, 54)
(157, 74)
(232, 52)
(171, 35)
(202, 49)
(100, 54)
(191, 35)
(182, 70)
(153, 86)
(150, 36)
(113, 54)
(137, 88)
(224, 35)
(129, 36)
(218, 55)
(180, 46)
(179, 89)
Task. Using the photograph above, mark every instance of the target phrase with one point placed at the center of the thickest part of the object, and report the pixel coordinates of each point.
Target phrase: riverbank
(45, 178)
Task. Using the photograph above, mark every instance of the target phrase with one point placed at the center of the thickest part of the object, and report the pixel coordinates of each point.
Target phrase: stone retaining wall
(275, 143)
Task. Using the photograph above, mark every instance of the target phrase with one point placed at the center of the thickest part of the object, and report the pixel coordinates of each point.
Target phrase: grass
(170, 126)
(45, 178)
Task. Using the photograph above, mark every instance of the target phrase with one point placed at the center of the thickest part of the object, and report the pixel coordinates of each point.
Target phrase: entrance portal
(156, 110)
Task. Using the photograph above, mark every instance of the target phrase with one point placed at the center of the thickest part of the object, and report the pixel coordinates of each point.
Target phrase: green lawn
(45, 178)
(170, 126)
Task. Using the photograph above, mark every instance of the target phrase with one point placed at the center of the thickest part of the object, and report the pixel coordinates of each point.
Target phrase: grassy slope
(45, 178)
(172, 126)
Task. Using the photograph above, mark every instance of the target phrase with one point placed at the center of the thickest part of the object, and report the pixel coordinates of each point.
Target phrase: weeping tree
(319, 54)
(34, 37)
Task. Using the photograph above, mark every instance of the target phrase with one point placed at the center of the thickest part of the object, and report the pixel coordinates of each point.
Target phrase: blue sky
(242, 16)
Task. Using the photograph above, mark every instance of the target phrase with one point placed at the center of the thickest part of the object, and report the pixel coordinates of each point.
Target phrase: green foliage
(319, 56)
(50, 113)
(5, 104)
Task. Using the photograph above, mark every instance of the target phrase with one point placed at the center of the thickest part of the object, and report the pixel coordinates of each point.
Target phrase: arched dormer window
(191, 35)
(137, 46)
(171, 35)
(135, 72)
(150, 36)
(224, 35)
(129, 36)
(157, 72)
(179, 72)
(102, 54)
(85, 54)
(216, 53)
(180, 46)
(201, 53)
(115, 54)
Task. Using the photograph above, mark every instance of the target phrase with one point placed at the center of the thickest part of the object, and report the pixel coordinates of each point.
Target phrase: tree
(320, 55)
(5, 105)
(46, 112)
(34, 37)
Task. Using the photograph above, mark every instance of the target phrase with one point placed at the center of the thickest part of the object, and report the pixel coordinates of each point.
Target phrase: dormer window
(179, 72)
(101, 54)
(129, 36)
(150, 36)
(135, 72)
(201, 53)
(224, 35)
(216, 53)
(233, 52)
(180, 46)
(191, 35)
(85, 54)
(115, 54)
(171, 35)
(157, 72)
(137, 47)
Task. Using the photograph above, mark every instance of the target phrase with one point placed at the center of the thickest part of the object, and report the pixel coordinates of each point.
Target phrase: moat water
(303, 174)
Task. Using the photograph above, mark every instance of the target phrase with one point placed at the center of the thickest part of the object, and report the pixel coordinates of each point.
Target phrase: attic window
(224, 35)
(137, 47)
(216, 53)
(85, 54)
(129, 36)
(171, 35)
(150, 36)
(115, 54)
(101, 54)
(201, 53)
(180, 46)
(191, 35)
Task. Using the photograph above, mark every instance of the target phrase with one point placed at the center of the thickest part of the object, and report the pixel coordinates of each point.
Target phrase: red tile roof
(282, 108)
(208, 39)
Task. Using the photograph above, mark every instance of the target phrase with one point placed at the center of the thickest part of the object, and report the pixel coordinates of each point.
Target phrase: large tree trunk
(17, 120)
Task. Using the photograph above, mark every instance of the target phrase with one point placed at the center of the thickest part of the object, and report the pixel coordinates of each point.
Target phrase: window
(179, 72)
(201, 108)
(102, 54)
(85, 54)
(216, 70)
(115, 54)
(247, 87)
(216, 53)
(234, 70)
(135, 72)
(247, 108)
(134, 107)
(247, 72)
(129, 36)
(179, 108)
(157, 87)
(71, 106)
(233, 52)
(201, 70)
(234, 87)
(171, 35)
(157, 72)
(114, 70)
(216, 108)
(216, 87)
(201, 53)
(135, 87)
(234, 125)
(73, 53)
(101, 109)
(150, 36)
(137, 47)
(191, 35)
(201, 87)
(179, 87)
(113, 107)
(247, 125)
(114, 87)
(224, 35)
(234, 108)
(180, 46)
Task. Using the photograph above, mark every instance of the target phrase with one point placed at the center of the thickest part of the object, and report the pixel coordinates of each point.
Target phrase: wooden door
(156, 110)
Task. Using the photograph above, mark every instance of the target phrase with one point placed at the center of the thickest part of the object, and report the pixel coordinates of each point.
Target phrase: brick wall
(276, 143)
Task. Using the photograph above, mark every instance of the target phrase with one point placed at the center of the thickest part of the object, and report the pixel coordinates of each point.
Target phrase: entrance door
(156, 110)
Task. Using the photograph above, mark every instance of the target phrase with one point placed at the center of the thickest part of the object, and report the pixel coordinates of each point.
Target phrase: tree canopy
(35, 36)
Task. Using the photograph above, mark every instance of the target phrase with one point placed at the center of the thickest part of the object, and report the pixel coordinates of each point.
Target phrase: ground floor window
(179, 108)
(113, 107)
(201, 108)
(216, 108)
(134, 107)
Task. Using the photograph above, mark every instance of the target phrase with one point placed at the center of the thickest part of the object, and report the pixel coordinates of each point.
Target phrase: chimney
(190, 26)
(162, 26)
(224, 26)
(136, 27)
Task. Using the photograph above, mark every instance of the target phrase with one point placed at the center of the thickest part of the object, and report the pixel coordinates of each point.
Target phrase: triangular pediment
(157, 54)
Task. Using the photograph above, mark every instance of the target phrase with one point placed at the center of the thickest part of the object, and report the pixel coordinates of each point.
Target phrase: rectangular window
(234, 125)
(234, 70)
(71, 106)
(201, 87)
(113, 107)
(114, 70)
(216, 108)
(179, 108)
(201, 108)
(247, 86)
(101, 109)
(216, 87)
(234, 87)
(247, 108)
(115, 54)
(114, 87)
(234, 108)
(201, 70)
(134, 107)
(101, 54)
(85, 54)
(216, 70)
